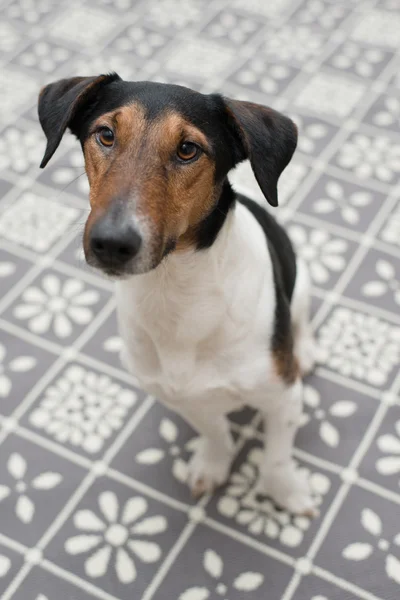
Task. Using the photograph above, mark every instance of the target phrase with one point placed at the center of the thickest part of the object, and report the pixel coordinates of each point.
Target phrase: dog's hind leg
(304, 343)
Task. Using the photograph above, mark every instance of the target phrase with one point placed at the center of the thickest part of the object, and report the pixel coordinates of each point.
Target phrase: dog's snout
(114, 243)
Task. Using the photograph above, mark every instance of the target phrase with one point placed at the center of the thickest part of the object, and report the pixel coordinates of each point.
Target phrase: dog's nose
(114, 243)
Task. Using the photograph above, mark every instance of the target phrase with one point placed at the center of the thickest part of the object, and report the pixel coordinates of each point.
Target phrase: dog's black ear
(267, 138)
(59, 103)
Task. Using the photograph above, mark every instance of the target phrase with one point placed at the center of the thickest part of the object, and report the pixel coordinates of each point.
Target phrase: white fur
(197, 334)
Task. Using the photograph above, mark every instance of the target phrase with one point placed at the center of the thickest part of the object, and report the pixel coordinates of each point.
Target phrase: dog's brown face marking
(142, 169)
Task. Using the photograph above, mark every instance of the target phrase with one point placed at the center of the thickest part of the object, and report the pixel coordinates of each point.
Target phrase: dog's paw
(209, 468)
(289, 488)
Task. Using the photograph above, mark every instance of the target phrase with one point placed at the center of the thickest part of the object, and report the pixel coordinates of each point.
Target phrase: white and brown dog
(213, 307)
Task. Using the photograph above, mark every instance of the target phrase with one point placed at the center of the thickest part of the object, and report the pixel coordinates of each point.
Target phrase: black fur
(209, 228)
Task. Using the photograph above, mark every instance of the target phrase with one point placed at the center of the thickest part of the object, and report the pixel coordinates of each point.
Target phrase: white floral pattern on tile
(19, 150)
(323, 253)
(324, 14)
(174, 13)
(199, 58)
(389, 444)
(390, 114)
(36, 222)
(7, 268)
(360, 551)
(5, 565)
(349, 206)
(31, 12)
(169, 433)
(360, 345)
(329, 427)
(19, 489)
(330, 94)
(9, 369)
(391, 231)
(213, 564)
(368, 156)
(44, 56)
(140, 41)
(57, 306)
(309, 134)
(266, 9)
(9, 37)
(115, 538)
(235, 27)
(72, 172)
(388, 282)
(297, 43)
(83, 408)
(242, 503)
(267, 77)
(364, 61)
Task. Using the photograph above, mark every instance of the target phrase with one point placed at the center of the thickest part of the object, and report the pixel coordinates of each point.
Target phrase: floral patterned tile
(106, 344)
(32, 221)
(377, 281)
(67, 27)
(378, 28)
(314, 134)
(83, 410)
(322, 15)
(239, 506)
(10, 564)
(174, 15)
(29, 13)
(390, 231)
(200, 60)
(116, 539)
(67, 174)
(232, 27)
(19, 148)
(327, 255)
(314, 588)
(294, 44)
(214, 567)
(43, 56)
(264, 76)
(366, 156)
(382, 461)
(360, 60)
(21, 367)
(342, 203)
(364, 544)
(360, 345)
(57, 307)
(335, 420)
(385, 113)
(140, 41)
(34, 487)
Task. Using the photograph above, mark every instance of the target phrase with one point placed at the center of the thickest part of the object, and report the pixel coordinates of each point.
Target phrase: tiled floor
(92, 496)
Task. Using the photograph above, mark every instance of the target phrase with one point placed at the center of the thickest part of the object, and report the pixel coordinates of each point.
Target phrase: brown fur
(139, 168)
(286, 364)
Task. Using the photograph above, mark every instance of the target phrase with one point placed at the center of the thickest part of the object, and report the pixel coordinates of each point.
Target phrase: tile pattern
(93, 502)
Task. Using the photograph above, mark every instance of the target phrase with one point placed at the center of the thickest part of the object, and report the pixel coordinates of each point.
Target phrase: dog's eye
(105, 137)
(187, 151)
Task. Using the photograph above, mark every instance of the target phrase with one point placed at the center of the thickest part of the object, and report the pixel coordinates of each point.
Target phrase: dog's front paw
(289, 489)
(209, 467)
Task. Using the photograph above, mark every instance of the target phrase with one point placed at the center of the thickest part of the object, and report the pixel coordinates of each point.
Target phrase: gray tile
(43, 585)
(381, 464)
(20, 147)
(83, 409)
(21, 366)
(323, 15)
(363, 544)
(232, 27)
(390, 231)
(314, 588)
(10, 564)
(44, 56)
(116, 539)
(57, 307)
(219, 565)
(385, 113)
(12, 268)
(34, 486)
(106, 343)
(264, 76)
(139, 41)
(343, 203)
(239, 507)
(360, 60)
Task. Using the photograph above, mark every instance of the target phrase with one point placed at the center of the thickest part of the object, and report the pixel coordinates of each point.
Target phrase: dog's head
(157, 157)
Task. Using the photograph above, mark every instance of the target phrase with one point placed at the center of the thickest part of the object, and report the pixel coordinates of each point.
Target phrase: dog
(212, 304)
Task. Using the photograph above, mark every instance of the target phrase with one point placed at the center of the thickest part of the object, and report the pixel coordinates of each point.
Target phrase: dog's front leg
(211, 462)
(279, 477)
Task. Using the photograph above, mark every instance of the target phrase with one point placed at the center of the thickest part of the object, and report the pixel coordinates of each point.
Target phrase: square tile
(140, 41)
(18, 90)
(220, 566)
(42, 585)
(83, 410)
(327, 255)
(36, 222)
(335, 420)
(381, 464)
(366, 156)
(21, 366)
(314, 134)
(325, 15)
(360, 60)
(116, 539)
(377, 281)
(330, 94)
(239, 506)
(29, 13)
(294, 43)
(361, 346)
(264, 76)
(196, 59)
(106, 344)
(379, 28)
(174, 14)
(67, 173)
(232, 27)
(314, 588)
(385, 113)
(34, 486)
(343, 203)
(44, 56)
(363, 544)
(57, 307)
(10, 38)
(259, 8)
(68, 26)
(20, 148)
(390, 232)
